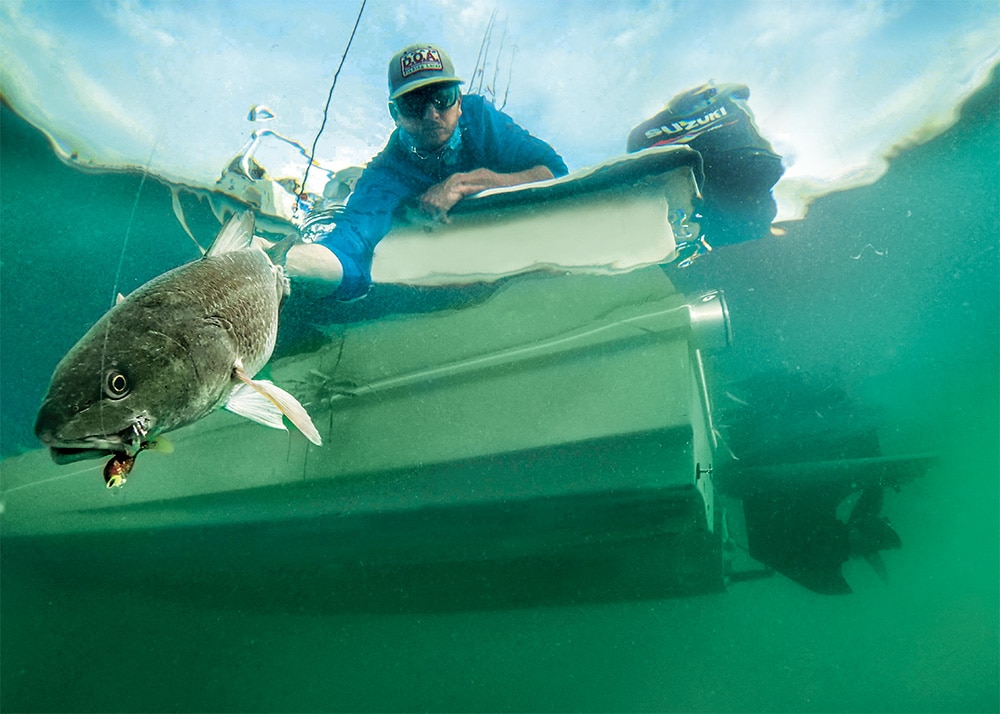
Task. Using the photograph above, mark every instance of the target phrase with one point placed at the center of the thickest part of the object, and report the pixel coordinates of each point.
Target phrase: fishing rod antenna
(302, 197)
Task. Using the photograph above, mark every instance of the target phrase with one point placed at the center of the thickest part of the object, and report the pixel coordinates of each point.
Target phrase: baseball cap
(417, 66)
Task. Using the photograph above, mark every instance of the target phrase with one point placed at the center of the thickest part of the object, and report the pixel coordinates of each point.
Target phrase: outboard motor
(740, 167)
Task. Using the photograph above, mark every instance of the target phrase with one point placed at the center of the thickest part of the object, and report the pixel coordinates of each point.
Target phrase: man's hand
(440, 198)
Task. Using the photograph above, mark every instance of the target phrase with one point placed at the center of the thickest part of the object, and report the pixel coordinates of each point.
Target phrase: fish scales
(179, 346)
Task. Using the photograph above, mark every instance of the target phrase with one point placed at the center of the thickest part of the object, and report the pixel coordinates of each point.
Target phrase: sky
(836, 86)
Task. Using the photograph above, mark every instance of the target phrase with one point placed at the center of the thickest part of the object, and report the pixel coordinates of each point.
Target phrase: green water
(912, 333)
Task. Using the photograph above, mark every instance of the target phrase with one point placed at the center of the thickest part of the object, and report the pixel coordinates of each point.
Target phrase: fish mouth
(129, 441)
(68, 455)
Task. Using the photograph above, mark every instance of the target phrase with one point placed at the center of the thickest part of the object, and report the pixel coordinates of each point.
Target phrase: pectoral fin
(248, 402)
(264, 402)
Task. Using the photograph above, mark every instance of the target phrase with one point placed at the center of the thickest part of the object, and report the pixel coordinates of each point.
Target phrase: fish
(182, 345)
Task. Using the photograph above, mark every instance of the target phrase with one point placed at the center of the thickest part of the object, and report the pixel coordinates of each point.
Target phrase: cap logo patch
(420, 60)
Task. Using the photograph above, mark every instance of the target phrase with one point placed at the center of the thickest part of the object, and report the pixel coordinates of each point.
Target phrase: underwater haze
(890, 290)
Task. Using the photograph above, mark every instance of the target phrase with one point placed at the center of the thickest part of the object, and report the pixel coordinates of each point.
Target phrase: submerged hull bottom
(639, 542)
(369, 563)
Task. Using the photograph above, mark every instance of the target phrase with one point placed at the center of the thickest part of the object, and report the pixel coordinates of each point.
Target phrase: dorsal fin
(235, 235)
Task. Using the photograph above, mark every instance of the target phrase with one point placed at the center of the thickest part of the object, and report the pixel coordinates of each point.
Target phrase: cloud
(835, 84)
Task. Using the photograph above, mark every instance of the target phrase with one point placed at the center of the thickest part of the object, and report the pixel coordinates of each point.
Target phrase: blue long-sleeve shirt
(486, 138)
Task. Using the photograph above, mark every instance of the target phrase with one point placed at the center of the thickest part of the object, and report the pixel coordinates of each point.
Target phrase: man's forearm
(313, 262)
(482, 179)
(440, 198)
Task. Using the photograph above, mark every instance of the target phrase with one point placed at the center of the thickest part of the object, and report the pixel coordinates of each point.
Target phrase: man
(445, 147)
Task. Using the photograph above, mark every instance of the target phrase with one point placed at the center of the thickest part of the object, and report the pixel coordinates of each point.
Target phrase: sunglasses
(413, 104)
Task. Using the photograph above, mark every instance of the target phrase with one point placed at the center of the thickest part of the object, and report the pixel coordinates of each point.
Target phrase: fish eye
(116, 384)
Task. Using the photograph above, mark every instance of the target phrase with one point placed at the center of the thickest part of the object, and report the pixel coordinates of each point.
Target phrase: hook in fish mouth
(128, 442)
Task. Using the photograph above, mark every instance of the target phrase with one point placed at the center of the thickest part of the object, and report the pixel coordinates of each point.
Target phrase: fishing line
(118, 275)
(131, 220)
(329, 98)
